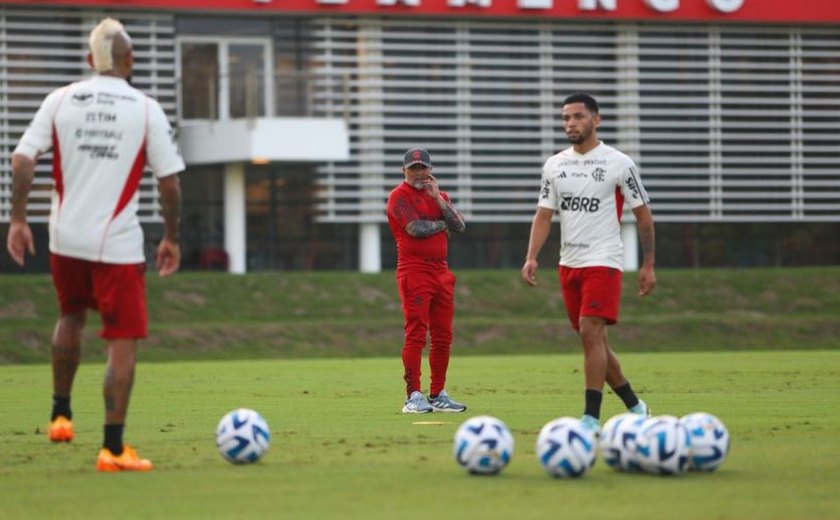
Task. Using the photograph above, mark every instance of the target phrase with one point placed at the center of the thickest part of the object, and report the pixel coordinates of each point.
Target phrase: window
(224, 78)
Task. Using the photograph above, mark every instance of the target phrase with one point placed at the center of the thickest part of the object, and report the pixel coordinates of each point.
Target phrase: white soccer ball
(662, 446)
(618, 441)
(483, 445)
(709, 441)
(242, 436)
(566, 448)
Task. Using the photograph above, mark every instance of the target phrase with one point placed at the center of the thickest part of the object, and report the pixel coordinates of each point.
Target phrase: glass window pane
(199, 80)
(280, 206)
(247, 80)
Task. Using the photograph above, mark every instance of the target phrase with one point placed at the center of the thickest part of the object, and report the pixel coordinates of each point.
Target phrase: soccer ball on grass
(618, 441)
(662, 446)
(483, 445)
(709, 441)
(566, 448)
(242, 436)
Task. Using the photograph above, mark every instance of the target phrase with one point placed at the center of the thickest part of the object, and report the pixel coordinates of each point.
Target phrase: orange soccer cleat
(127, 461)
(61, 429)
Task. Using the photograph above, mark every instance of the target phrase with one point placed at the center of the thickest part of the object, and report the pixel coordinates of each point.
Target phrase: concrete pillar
(629, 235)
(370, 254)
(628, 108)
(235, 230)
(371, 144)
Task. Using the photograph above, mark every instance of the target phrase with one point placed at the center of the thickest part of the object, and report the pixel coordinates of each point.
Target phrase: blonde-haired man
(102, 133)
(102, 46)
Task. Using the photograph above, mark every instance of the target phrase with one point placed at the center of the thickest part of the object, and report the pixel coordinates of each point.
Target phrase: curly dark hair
(586, 99)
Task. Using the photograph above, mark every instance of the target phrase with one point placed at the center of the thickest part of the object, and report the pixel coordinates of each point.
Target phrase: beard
(581, 136)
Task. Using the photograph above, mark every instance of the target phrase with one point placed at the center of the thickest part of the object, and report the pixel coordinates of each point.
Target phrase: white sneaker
(640, 409)
(444, 403)
(416, 403)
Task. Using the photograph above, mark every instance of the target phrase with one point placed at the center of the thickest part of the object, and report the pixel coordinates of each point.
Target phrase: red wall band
(769, 11)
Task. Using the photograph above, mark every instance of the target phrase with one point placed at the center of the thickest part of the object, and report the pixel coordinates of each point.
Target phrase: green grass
(340, 449)
(201, 316)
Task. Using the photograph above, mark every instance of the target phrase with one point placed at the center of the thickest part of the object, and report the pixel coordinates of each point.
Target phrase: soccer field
(341, 449)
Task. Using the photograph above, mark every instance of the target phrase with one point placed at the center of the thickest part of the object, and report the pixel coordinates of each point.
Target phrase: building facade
(293, 116)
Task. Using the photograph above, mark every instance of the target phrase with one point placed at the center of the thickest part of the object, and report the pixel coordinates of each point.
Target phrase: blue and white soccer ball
(242, 436)
(483, 445)
(662, 446)
(709, 441)
(566, 448)
(618, 441)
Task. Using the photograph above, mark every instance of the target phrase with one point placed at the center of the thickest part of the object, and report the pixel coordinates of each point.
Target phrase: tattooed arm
(425, 228)
(401, 210)
(19, 240)
(453, 218)
(168, 258)
(647, 239)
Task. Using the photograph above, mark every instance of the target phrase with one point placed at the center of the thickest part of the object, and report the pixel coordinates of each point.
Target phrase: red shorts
(117, 291)
(591, 291)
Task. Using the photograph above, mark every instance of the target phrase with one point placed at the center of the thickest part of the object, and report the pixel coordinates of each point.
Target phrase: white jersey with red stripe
(103, 133)
(589, 191)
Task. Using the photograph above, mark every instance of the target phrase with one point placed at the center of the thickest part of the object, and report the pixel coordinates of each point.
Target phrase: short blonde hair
(102, 42)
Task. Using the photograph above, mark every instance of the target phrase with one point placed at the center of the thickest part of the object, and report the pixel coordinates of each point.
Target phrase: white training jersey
(589, 191)
(102, 132)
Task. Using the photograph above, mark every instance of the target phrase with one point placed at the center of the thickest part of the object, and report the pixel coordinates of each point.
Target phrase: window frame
(223, 96)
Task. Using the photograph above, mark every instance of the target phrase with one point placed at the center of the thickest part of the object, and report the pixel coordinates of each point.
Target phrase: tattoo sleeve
(425, 228)
(453, 218)
(647, 236)
(23, 174)
(170, 201)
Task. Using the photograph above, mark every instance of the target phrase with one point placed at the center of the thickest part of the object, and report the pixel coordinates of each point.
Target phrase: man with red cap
(422, 219)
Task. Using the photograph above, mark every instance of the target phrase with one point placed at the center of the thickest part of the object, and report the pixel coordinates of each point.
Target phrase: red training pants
(428, 304)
